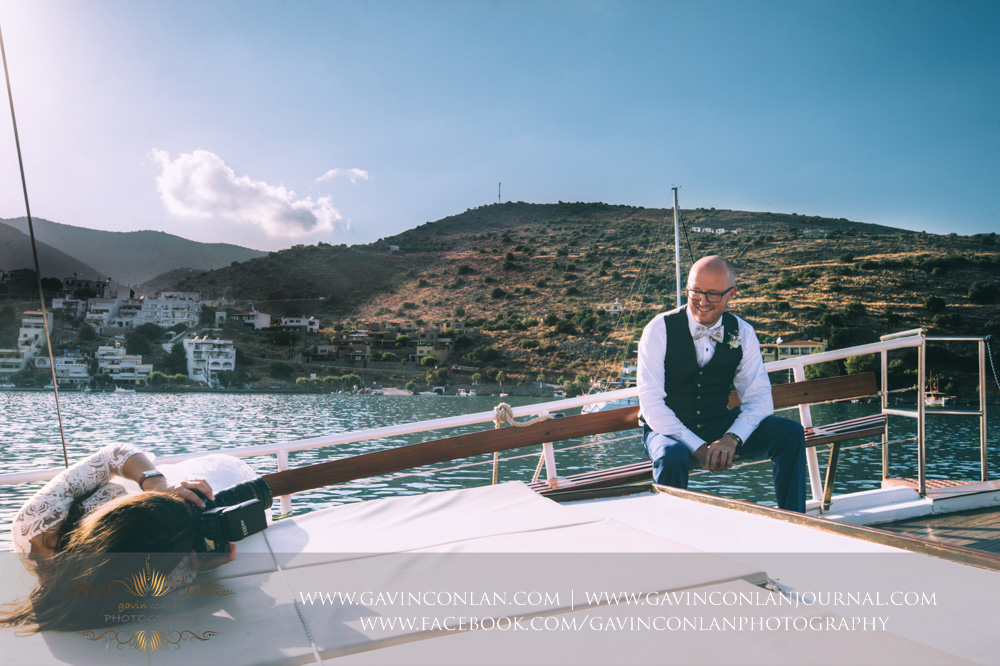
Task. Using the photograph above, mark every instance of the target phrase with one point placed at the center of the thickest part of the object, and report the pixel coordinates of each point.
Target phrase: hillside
(135, 256)
(15, 253)
(504, 268)
(306, 279)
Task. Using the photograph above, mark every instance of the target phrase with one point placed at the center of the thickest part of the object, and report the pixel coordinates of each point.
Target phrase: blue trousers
(780, 439)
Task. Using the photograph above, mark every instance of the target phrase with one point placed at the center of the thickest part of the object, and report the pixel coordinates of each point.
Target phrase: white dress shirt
(751, 381)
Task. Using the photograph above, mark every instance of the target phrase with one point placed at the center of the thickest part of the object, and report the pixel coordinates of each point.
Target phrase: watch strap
(148, 474)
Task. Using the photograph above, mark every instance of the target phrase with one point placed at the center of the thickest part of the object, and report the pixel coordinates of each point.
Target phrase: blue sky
(274, 123)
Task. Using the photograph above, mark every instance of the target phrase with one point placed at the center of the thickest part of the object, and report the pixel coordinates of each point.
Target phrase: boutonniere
(734, 341)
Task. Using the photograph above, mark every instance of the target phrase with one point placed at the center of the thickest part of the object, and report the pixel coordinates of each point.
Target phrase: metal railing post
(286, 500)
(982, 409)
(812, 460)
(549, 452)
(884, 401)
(921, 413)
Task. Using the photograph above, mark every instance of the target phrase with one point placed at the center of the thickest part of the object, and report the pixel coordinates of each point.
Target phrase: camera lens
(241, 492)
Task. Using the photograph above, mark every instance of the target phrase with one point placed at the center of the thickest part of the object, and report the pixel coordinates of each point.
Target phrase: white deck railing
(913, 338)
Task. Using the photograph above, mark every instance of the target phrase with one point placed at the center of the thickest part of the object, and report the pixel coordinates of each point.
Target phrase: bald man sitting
(689, 360)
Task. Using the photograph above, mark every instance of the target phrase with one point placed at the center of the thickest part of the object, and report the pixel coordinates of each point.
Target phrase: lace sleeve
(49, 506)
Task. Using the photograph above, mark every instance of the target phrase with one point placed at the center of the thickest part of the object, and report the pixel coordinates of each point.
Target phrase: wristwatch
(149, 474)
(739, 440)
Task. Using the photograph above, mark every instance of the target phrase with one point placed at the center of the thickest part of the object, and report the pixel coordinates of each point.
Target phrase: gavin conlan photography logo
(152, 606)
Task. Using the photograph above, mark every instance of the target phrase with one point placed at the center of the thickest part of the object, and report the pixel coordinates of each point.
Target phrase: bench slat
(819, 390)
(864, 426)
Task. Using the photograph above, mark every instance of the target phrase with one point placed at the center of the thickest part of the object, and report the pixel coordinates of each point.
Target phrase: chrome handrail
(905, 339)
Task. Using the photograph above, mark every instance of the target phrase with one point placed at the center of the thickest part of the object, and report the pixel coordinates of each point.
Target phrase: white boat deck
(466, 555)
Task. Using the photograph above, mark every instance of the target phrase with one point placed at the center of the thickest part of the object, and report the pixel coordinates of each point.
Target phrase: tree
(984, 293)
(866, 363)
(157, 379)
(31, 377)
(820, 370)
(855, 309)
(50, 285)
(428, 361)
(151, 332)
(934, 304)
(8, 327)
(231, 378)
(207, 316)
(136, 343)
(175, 361)
(87, 333)
(411, 387)
(102, 381)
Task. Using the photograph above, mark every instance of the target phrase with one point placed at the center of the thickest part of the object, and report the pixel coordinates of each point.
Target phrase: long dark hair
(100, 548)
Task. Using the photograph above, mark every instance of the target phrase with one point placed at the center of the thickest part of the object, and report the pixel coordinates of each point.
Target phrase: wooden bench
(784, 395)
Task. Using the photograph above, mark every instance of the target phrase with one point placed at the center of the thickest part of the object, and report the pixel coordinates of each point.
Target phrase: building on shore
(112, 360)
(72, 369)
(310, 324)
(170, 309)
(794, 348)
(250, 318)
(30, 341)
(206, 357)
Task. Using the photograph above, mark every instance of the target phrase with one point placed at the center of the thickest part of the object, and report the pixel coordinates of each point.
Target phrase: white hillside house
(173, 307)
(122, 367)
(206, 357)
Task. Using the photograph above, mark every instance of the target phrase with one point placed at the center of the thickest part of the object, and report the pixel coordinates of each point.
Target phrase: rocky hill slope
(530, 276)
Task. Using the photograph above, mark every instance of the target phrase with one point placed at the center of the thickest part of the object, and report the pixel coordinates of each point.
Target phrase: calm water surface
(167, 424)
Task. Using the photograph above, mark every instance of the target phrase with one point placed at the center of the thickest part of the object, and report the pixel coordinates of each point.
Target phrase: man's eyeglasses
(710, 296)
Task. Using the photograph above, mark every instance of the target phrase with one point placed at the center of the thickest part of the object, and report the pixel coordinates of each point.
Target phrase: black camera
(236, 513)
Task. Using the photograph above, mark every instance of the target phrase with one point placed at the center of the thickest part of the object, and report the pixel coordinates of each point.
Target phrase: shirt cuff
(741, 430)
(690, 440)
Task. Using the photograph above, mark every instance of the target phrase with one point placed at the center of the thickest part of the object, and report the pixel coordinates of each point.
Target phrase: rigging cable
(34, 254)
(632, 306)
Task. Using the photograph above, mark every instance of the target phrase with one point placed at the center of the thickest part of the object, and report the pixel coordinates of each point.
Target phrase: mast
(677, 245)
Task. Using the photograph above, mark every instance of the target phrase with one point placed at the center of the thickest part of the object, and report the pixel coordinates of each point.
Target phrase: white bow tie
(714, 333)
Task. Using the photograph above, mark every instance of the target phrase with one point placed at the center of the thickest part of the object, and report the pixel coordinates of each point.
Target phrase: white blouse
(50, 505)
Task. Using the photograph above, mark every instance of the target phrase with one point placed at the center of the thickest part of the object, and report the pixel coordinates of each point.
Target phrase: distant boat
(934, 397)
(119, 389)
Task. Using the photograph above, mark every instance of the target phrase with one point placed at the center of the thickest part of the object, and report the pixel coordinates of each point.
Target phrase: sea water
(168, 423)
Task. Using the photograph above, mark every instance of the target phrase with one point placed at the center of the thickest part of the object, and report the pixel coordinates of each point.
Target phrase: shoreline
(389, 391)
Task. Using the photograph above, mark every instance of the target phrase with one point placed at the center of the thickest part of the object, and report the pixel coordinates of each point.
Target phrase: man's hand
(719, 455)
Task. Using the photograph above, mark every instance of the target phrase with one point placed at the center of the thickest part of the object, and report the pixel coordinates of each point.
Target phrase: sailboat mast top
(677, 246)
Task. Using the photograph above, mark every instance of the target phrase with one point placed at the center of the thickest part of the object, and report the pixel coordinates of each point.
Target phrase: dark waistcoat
(699, 396)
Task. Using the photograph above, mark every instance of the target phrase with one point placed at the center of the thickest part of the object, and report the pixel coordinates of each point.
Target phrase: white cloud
(353, 174)
(200, 185)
